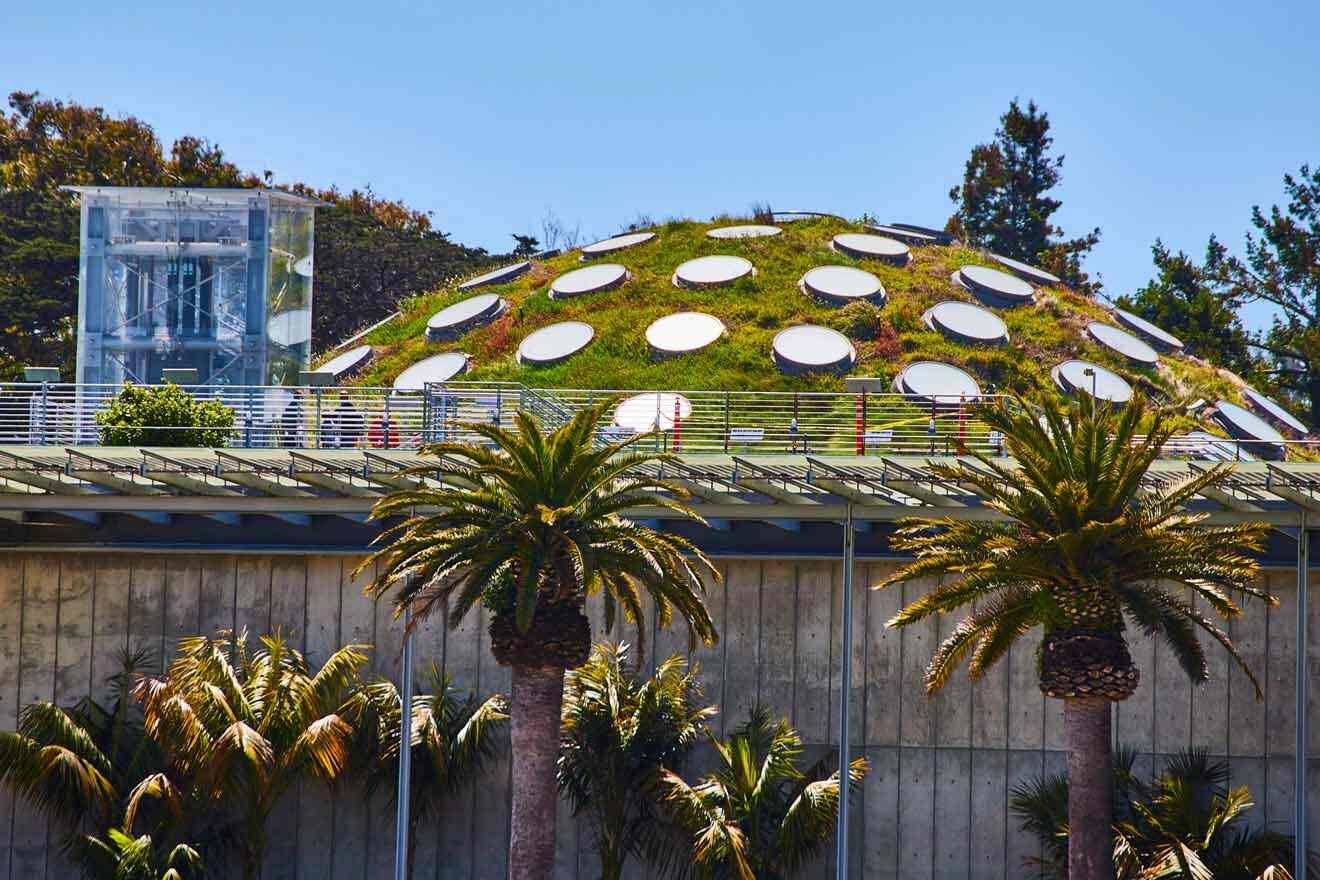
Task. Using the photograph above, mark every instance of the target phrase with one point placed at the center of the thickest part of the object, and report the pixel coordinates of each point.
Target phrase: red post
(678, 424)
(962, 422)
(861, 426)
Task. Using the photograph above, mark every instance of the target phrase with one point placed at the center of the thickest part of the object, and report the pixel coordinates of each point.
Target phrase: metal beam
(104, 473)
(386, 472)
(326, 475)
(1302, 673)
(189, 478)
(1290, 487)
(914, 483)
(768, 483)
(246, 472)
(836, 482)
(40, 475)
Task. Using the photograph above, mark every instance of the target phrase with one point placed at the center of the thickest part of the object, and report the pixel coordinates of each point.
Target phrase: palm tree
(238, 728)
(1083, 549)
(621, 730)
(1183, 825)
(78, 766)
(123, 857)
(758, 816)
(529, 526)
(453, 739)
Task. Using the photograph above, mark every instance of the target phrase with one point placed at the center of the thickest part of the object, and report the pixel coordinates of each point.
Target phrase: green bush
(164, 416)
(859, 321)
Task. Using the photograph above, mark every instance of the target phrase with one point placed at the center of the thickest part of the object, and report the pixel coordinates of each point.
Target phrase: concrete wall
(934, 805)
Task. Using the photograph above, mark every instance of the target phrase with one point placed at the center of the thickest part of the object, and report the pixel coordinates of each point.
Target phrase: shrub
(859, 321)
(164, 416)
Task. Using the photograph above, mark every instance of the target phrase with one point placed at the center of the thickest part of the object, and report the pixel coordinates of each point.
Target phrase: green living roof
(755, 308)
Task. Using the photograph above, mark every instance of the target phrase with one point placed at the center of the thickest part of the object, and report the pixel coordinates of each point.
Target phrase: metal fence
(736, 422)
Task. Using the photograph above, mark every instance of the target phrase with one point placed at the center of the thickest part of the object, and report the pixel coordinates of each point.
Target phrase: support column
(1299, 748)
(254, 336)
(845, 693)
(402, 805)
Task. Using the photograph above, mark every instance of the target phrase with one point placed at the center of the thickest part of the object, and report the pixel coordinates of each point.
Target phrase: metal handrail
(685, 421)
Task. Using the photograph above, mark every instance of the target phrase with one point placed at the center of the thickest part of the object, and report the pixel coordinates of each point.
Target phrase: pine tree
(1189, 299)
(525, 245)
(1282, 268)
(1003, 202)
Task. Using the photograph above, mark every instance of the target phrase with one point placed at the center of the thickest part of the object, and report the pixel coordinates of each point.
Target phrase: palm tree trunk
(538, 695)
(611, 859)
(1090, 789)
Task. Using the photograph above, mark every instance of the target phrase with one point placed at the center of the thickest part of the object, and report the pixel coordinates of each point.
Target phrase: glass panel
(171, 290)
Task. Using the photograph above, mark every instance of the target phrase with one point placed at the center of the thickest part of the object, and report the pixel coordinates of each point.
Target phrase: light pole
(1090, 371)
(845, 687)
(405, 750)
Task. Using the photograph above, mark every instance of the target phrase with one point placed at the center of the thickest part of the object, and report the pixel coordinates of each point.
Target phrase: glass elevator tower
(215, 280)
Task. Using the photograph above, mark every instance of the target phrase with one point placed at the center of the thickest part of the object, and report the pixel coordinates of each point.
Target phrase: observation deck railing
(688, 422)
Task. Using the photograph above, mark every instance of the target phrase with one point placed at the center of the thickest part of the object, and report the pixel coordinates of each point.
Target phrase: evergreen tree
(525, 245)
(1190, 301)
(1003, 202)
(1282, 267)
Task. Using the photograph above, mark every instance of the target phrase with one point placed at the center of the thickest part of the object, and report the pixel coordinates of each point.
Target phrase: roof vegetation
(756, 308)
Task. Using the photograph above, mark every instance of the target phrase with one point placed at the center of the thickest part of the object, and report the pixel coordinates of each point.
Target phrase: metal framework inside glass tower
(213, 280)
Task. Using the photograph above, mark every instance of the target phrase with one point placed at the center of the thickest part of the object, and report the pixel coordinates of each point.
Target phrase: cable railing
(685, 422)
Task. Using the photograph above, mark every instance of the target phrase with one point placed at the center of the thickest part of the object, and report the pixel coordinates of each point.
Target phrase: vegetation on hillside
(757, 308)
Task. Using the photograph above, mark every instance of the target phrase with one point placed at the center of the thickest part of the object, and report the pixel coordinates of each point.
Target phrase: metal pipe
(405, 751)
(1299, 750)
(845, 689)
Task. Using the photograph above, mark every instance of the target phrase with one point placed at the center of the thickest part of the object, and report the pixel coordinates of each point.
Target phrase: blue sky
(1175, 118)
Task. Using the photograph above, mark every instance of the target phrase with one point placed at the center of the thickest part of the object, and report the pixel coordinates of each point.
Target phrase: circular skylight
(841, 285)
(1274, 411)
(1085, 377)
(501, 275)
(712, 271)
(998, 288)
(463, 315)
(683, 332)
(653, 410)
(290, 328)
(939, 235)
(1259, 436)
(1156, 336)
(796, 216)
(941, 383)
(1026, 271)
(871, 247)
(966, 323)
(809, 348)
(347, 363)
(554, 343)
(617, 243)
(751, 230)
(437, 368)
(1123, 343)
(591, 279)
(908, 236)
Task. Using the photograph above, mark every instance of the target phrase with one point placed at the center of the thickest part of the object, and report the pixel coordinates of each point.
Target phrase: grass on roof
(755, 309)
